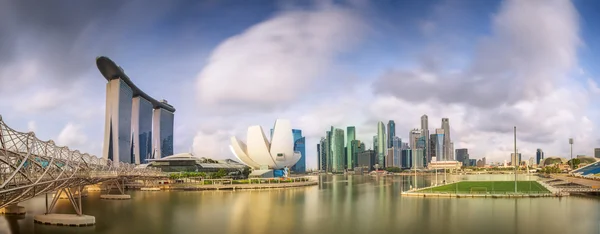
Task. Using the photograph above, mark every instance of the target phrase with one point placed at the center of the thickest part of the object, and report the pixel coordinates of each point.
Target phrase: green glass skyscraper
(337, 150)
(381, 144)
(351, 135)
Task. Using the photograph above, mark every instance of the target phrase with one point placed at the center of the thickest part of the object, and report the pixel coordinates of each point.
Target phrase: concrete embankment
(237, 186)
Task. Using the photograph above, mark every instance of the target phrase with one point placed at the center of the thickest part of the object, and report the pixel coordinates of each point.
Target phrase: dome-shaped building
(259, 153)
(549, 161)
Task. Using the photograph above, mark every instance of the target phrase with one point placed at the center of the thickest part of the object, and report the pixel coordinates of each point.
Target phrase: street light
(516, 157)
(571, 143)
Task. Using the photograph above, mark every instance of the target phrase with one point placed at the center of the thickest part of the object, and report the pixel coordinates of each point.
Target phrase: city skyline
(455, 62)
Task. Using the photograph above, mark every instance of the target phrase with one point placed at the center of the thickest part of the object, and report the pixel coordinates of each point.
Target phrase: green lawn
(491, 187)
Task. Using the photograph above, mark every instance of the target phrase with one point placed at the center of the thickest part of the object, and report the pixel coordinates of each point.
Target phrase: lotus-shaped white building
(260, 154)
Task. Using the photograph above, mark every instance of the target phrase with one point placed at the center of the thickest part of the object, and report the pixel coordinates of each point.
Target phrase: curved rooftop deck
(110, 70)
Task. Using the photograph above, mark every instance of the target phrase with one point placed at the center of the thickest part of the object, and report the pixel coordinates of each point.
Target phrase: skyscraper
(322, 154)
(597, 153)
(425, 134)
(141, 129)
(381, 144)
(163, 132)
(391, 133)
(421, 145)
(337, 150)
(397, 155)
(447, 140)
(351, 135)
(137, 127)
(539, 156)
(439, 145)
(515, 161)
(432, 148)
(299, 145)
(328, 156)
(117, 127)
(462, 155)
(414, 137)
(357, 147)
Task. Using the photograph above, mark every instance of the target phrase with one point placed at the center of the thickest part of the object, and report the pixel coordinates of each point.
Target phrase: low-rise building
(445, 165)
(186, 162)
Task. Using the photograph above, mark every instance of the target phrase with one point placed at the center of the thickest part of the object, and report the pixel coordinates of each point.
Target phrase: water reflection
(339, 204)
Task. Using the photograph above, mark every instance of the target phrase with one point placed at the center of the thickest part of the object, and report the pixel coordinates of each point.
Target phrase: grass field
(491, 187)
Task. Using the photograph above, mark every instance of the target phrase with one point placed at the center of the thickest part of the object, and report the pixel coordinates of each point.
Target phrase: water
(340, 204)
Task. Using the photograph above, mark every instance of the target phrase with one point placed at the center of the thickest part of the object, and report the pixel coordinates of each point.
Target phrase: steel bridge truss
(30, 167)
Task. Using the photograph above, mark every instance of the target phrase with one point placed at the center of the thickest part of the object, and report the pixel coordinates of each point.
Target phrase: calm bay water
(339, 204)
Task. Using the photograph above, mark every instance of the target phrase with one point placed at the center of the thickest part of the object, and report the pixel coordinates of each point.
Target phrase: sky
(227, 65)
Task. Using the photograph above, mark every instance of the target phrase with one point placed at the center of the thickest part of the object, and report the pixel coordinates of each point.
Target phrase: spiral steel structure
(30, 167)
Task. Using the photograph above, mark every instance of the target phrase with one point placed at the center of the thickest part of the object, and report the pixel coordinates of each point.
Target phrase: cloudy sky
(225, 65)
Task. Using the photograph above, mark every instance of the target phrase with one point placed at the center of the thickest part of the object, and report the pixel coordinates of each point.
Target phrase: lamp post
(516, 157)
(572, 163)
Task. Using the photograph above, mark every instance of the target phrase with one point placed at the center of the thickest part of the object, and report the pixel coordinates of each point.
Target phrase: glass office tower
(141, 129)
(299, 145)
(163, 133)
(118, 122)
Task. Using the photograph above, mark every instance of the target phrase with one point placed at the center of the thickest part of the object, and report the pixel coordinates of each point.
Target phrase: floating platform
(65, 220)
(115, 196)
(13, 210)
(150, 189)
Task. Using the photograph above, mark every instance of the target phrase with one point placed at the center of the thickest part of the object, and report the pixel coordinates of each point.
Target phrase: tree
(219, 174)
(246, 172)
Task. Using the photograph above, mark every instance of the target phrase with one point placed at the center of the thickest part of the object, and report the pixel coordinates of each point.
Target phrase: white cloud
(31, 126)
(73, 136)
(273, 62)
(212, 145)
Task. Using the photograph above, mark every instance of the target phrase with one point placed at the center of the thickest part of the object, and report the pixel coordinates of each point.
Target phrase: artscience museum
(266, 155)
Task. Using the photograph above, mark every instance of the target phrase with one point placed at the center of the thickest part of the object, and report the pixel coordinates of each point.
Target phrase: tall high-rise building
(515, 161)
(397, 155)
(432, 146)
(452, 151)
(141, 129)
(323, 154)
(414, 137)
(418, 157)
(381, 144)
(425, 134)
(447, 147)
(597, 153)
(366, 159)
(407, 160)
(462, 155)
(137, 127)
(375, 144)
(350, 136)
(539, 156)
(328, 156)
(357, 147)
(337, 150)
(439, 145)
(421, 144)
(299, 146)
(391, 133)
(163, 132)
(117, 127)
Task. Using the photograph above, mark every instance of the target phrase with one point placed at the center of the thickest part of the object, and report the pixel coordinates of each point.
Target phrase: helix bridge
(30, 167)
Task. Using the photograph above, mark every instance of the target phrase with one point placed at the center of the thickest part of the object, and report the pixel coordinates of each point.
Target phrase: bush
(393, 169)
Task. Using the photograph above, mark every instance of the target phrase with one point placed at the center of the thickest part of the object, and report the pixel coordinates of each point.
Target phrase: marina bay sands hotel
(137, 126)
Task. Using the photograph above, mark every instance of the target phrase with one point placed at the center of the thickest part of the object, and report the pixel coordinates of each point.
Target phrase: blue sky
(226, 65)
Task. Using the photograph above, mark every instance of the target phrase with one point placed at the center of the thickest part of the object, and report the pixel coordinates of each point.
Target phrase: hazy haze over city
(226, 65)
